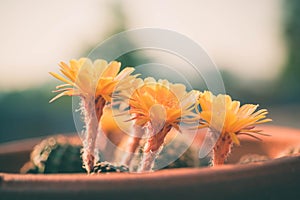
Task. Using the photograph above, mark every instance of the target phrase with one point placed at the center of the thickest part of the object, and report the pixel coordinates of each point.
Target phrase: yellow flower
(162, 102)
(86, 78)
(158, 106)
(221, 114)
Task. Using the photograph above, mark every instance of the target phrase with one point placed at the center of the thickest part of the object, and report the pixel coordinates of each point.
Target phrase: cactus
(187, 159)
(61, 154)
(58, 154)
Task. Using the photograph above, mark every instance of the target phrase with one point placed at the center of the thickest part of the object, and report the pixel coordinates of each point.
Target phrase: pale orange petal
(62, 78)
(112, 69)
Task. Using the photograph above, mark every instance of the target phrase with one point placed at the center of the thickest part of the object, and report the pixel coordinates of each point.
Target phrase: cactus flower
(94, 82)
(226, 119)
(159, 106)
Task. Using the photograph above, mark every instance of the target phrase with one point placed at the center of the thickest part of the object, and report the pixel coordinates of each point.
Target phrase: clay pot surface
(277, 178)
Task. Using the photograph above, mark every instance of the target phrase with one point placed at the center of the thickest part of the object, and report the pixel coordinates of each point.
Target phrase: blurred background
(255, 44)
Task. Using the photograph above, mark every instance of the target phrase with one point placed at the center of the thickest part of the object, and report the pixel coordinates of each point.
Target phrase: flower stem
(93, 110)
(148, 160)
(153, 147)
(132, 144)
(222, 149)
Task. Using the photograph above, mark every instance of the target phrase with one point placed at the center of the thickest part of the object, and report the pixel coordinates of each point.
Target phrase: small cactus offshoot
(106, 167)
(253, 158)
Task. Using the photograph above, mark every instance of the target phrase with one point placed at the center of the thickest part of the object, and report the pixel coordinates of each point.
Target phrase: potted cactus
(155, 112)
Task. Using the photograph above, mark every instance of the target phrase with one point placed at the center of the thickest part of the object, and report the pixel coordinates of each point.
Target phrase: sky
(244, 37)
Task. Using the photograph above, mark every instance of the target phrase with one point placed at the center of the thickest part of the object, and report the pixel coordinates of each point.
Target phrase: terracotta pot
(278, 178)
